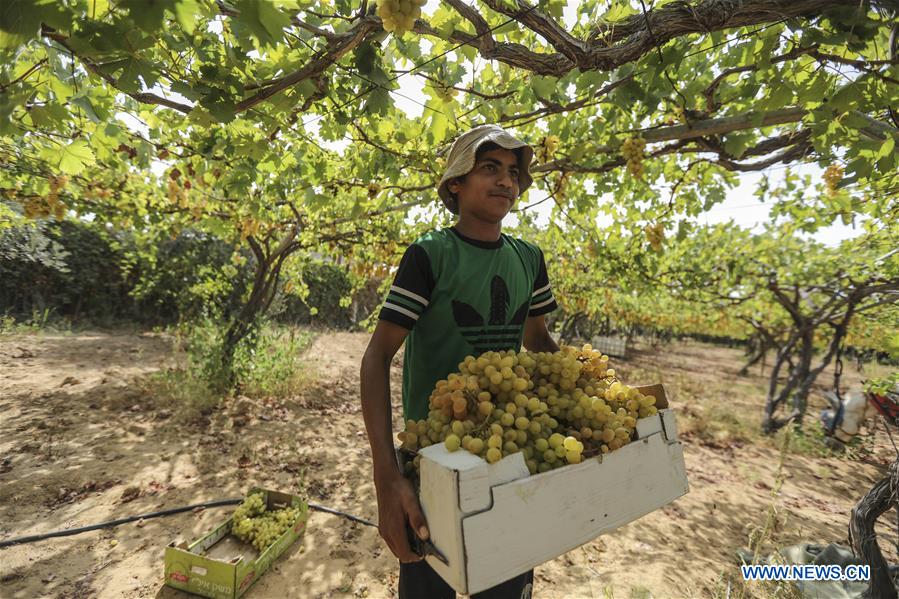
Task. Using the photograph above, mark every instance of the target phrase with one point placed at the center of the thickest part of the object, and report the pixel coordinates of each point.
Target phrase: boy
(459, 291)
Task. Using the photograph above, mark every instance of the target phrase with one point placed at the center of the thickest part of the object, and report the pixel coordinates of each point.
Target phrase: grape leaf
(71, 159)
(186, 13)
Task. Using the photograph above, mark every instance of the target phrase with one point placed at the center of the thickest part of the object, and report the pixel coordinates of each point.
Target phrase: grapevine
(253, 523)
(555, 408)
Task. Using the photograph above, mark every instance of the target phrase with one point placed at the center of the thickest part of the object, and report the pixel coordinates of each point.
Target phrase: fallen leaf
(130, 494)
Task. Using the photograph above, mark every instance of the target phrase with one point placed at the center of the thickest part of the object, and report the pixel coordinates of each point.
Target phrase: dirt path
(81, 442)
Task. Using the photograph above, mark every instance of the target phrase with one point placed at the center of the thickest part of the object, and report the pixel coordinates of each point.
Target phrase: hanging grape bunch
(555, 408)
(42, 207)
(632, 151)
(253, 523)
(444, 93)
(655, 235)
(399, 16)
(833, 174)
(547, 148)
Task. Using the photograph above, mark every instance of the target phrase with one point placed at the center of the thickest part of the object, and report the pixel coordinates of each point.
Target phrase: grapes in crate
(253, 523)
(556, 408)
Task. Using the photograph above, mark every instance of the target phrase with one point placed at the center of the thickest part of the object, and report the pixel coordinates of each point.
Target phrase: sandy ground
(82, 441)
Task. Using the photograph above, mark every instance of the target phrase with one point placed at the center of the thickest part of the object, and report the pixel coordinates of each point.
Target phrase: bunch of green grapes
(444, 93)
(253, 523)
(593, 363)
(58, 183)
(555, 408)
(833, 174)
(399, 16)
(244, 519)
(272, 525)
(177, 194)
(655, 235)
(42, 207)
(632, 150)
(547, 148)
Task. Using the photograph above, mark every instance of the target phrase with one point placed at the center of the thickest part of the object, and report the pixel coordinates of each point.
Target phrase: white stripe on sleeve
(543, 303)
(401, 310)
(414, 296)
(539, 291)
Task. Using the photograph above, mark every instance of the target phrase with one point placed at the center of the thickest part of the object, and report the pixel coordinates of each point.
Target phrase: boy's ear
(454, 184)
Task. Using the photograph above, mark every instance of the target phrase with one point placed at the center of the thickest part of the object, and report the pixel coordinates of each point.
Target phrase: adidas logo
(493, 333)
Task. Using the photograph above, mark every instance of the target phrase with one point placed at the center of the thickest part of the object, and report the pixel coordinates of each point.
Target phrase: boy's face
(490, 189)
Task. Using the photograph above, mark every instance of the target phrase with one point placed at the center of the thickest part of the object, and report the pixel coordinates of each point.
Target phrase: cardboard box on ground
(220, 566)
(495, 521)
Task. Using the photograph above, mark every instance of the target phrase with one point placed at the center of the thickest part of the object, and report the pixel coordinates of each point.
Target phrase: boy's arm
(536, 336)
(397, 502)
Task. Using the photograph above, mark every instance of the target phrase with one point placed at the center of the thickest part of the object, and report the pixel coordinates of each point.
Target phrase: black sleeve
(410, 293)
(542, 299)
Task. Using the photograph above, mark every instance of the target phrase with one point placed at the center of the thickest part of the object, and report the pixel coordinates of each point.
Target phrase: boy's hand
(397, 506)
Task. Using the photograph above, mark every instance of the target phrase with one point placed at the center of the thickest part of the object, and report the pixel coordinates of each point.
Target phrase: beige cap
(462, 155)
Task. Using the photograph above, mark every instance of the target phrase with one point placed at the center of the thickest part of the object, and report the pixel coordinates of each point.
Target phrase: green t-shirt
(460, 296)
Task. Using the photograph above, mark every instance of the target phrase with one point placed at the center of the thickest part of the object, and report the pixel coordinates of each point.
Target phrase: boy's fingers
(405, 553)
(399, 544)
(417, 520)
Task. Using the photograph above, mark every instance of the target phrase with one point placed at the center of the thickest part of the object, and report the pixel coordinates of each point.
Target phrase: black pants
(419, 581)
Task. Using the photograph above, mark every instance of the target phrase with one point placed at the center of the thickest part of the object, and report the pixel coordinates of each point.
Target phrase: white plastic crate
(612, 346)
(495, 521)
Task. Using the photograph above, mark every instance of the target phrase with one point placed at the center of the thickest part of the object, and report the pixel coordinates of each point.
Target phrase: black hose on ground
(328, 510)
(170, 512)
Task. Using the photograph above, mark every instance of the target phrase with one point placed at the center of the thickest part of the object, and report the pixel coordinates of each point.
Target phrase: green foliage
(249, 153)
(182, 390)
(267, 363)
(83, 271)
(191, 277)
(201, 341)
(38, 322)
(275, 367)
(883, 385)
(325, 289)
(77, 270)
(29, 244)
(813, 442)
(714, 281)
